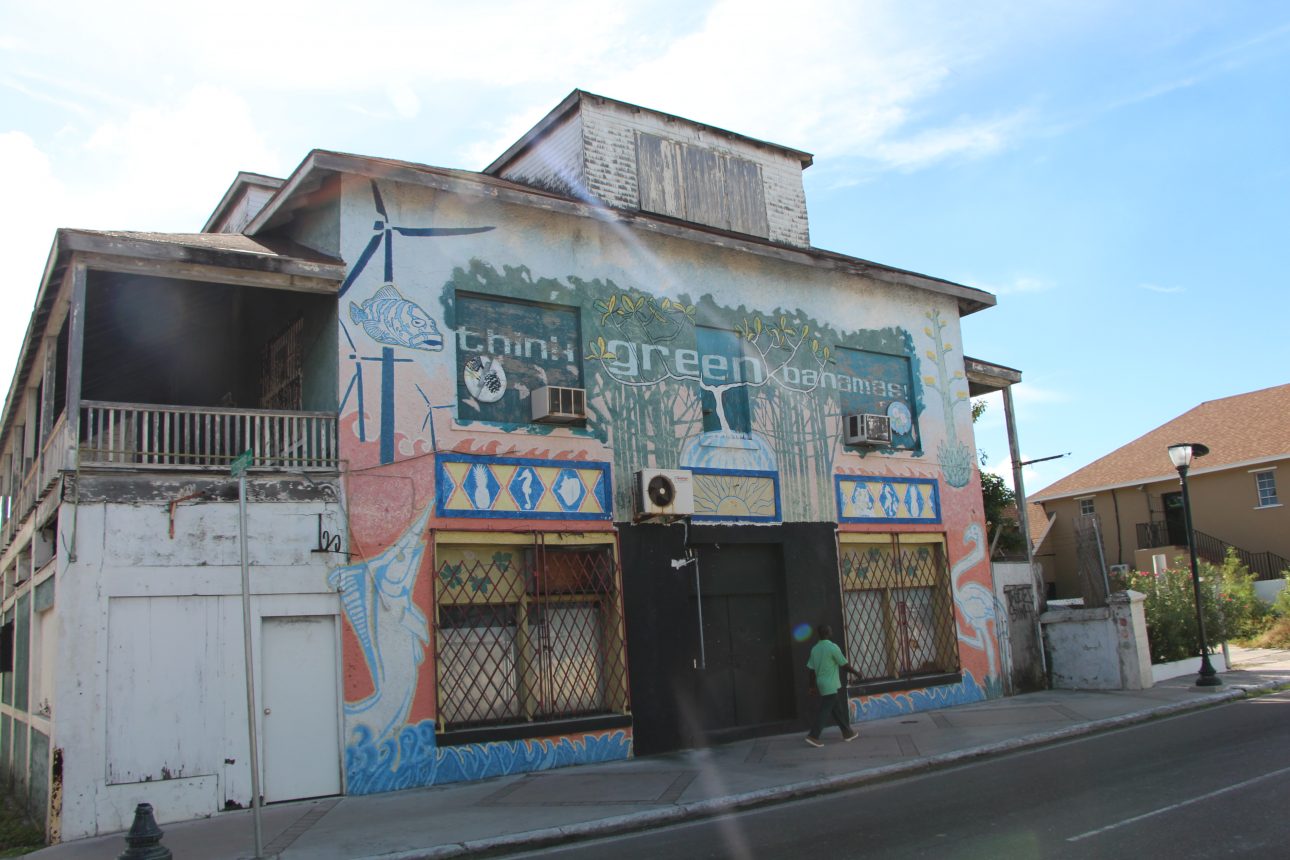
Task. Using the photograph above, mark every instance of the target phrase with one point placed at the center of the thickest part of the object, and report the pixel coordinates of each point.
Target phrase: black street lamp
(1181, 456)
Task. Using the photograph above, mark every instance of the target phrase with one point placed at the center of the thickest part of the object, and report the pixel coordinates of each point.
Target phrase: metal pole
(1018, 487)
(1023, 523)
(250, 668)
(1208, 677)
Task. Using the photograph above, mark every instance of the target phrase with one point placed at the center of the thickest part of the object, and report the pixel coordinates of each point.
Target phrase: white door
(301, 724)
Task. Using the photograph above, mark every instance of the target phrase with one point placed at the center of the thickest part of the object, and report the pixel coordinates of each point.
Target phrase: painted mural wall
(737, 367)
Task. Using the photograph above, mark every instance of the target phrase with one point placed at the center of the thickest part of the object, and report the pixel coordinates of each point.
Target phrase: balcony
(1264, 565)
(134, 437)
(1157, 534)
(140, 436)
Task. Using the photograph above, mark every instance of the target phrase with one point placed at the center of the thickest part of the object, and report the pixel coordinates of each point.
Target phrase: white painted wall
(1268, 589)
(556, 162)
(1104, 648)
(149, 702)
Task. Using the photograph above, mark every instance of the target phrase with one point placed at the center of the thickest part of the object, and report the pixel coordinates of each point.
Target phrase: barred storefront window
(528, 633)
(898, 606)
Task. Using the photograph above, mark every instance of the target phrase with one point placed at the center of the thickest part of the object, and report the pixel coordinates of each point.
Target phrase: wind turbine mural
(388, 318)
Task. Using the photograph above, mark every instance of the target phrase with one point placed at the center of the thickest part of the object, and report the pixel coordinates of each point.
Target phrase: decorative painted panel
(518, 488)
(878, 384)
(506, 350)
(731, 495)
(875, 499)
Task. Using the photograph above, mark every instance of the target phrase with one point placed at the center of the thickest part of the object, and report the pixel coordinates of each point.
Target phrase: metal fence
(897, 609)
(1264, 565)
(528, 633)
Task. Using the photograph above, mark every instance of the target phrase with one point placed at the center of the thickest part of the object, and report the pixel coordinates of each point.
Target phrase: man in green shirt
(827, 664)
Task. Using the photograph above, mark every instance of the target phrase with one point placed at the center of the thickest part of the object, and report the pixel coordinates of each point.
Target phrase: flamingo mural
(975, 601)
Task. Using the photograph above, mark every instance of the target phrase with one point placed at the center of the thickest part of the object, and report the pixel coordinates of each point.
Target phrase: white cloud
(1030, 394)
(165, 167)
(33, 200)
(155, 168)
(404, 99)
(313, 47)
(1018, 285)
(1156, 288)
(969, 138)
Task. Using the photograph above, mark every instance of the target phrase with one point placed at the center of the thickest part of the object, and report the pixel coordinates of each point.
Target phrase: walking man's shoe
(849, 738)
(815, 742)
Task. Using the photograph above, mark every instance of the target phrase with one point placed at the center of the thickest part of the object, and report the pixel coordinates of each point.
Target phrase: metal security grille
(528, 633)
(898, 609)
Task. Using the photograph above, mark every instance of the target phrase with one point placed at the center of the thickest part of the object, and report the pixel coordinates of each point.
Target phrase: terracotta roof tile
(1037, 523)
(1240, 429)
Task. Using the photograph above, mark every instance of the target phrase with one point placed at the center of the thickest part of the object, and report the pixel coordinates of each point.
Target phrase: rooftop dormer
(629, 157)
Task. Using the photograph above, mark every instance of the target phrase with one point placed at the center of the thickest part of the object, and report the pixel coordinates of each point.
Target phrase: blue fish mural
(387, 317)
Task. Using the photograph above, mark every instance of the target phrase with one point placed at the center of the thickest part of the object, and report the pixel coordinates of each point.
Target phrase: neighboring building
(1127, 507)
(457, 389)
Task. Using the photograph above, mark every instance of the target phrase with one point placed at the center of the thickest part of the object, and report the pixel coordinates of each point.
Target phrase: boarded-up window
(164, 687)
(696, 184)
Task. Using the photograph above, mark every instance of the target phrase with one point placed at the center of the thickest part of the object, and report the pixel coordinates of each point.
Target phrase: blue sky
(1117, 173)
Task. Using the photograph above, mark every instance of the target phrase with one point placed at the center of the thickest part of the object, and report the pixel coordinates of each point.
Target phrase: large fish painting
(387, 317)
(377, 598)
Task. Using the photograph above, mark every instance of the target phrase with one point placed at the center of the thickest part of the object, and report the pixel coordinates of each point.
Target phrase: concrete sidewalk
(535, 809)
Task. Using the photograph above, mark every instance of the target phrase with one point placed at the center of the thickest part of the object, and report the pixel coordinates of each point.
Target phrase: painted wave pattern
(965, 692)
(414, 758)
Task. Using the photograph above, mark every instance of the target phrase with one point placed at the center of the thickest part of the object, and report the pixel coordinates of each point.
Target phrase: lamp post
(1181, 456)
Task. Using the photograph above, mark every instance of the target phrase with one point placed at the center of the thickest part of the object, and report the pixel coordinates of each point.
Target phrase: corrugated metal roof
(1244, 428)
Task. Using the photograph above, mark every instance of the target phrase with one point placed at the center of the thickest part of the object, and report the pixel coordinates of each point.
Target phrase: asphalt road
(1210, 784)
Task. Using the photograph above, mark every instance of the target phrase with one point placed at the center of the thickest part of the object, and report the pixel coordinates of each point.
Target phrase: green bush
(1232, 610)
(1281, 606)
(18, 836)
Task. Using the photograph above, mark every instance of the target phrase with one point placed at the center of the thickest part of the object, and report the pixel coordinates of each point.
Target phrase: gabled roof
(1040, 524)
(297, 192)
(1243, 430)
(244, 182)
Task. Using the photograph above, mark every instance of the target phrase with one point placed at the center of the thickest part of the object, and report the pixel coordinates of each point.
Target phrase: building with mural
(553, 463)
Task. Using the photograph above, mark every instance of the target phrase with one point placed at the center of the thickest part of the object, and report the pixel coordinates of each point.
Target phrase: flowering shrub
(1232, 610)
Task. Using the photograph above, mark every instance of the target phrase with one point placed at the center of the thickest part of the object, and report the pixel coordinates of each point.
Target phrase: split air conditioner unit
(866, 429)
(664, 493)
(554, 404)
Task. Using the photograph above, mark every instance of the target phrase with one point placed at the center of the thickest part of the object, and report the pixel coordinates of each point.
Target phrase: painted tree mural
(955, 457)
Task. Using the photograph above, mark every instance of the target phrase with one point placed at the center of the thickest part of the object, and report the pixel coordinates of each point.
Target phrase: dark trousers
(835, 706)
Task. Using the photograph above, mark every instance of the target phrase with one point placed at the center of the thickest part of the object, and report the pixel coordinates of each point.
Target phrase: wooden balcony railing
(141, 436)
(39, 476)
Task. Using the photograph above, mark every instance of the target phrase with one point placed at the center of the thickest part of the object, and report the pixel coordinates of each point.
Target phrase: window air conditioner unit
(664, 493)
(554, 404)
(866, 429)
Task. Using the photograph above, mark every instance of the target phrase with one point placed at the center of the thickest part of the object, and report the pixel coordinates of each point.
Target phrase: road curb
(712, 807)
